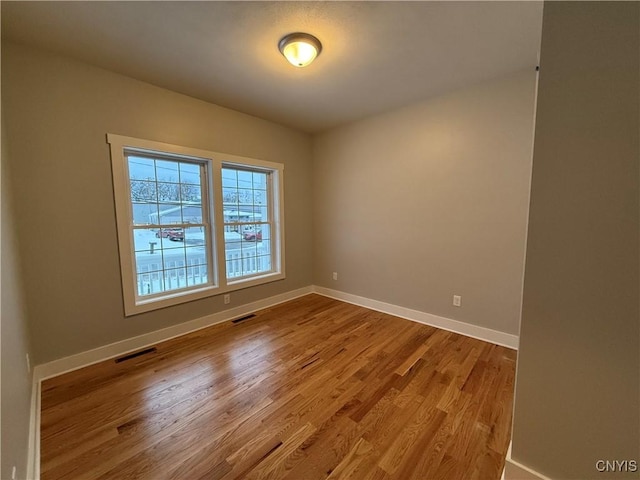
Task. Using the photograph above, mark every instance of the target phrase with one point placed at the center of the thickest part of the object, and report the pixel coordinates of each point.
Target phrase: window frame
(214, 162)
(272, 204)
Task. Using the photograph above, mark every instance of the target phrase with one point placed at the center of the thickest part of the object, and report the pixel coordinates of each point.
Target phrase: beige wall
(418, 204)
(58, 112)
(578, 390)
(16, 380)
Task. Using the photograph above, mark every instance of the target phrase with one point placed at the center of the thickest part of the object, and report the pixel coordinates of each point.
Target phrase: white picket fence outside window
(176, 274)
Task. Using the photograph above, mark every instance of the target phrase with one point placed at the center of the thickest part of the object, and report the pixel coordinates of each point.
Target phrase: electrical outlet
(28, 364)
(457, 301)
(335, 275)
(227, 298)
(13, 473)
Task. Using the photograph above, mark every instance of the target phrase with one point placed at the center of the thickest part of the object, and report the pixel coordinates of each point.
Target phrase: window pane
(190, 193)
(230, 197)
(173, 258)
(264, 245)
(245, 196)
(175, 279)
(264, 263)
(150, 283)
(259, 180)
(233, 215)
(171, 238)
(263, 249)
(167, 171)
(234, 265)
(229, 177)
(148, 263)
(143, 191)
(168, 192)
(169, 213)
(195, 255)
(195, 236)
(233, 248)
(250, 247)
(262, 214)
(233, 239)
(260, 197)
(142, 237)
(197, 274)
(245, 179)
(141, 168)
(189, 173)
(144, 213)
(192, 214)
(251, 232)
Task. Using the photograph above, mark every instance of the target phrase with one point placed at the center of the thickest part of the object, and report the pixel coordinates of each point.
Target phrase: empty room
(320, 240)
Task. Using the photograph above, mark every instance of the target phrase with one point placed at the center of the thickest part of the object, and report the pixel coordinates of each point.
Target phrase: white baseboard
(474, 331)
(516, 471)
(83, 359)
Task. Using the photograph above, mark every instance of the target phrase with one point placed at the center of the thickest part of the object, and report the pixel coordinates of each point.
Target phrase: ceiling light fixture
(300, 49)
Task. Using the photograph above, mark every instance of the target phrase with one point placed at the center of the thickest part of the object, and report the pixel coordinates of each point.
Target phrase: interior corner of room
(502, 205)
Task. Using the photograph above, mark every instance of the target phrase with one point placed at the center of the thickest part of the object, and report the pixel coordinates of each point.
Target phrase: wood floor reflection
(310, 389)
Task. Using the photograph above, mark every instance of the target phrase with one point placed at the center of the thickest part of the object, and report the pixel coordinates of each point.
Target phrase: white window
(193, 223)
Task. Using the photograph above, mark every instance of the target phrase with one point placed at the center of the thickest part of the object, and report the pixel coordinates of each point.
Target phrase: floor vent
(241, 319)
(136, 354)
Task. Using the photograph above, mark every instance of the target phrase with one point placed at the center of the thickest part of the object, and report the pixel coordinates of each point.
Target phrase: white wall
(578, 380)
(418, 204)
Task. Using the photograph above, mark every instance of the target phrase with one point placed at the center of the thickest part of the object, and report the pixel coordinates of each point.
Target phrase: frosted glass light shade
(300, 49)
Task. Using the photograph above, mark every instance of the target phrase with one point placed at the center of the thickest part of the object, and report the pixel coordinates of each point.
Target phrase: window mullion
(216, 202)
(272, 224)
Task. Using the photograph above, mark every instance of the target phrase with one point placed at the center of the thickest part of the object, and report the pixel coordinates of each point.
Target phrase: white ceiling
(376, 55)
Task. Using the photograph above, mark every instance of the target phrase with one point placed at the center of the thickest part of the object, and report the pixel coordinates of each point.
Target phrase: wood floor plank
(310, 389)
(283, 457)
(351, 461)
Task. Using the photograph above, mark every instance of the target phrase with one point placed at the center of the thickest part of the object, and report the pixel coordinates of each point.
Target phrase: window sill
(169, 300)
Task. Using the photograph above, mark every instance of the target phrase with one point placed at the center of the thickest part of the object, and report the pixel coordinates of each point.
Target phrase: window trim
(273, 213)
(215, 161)
(207, 222)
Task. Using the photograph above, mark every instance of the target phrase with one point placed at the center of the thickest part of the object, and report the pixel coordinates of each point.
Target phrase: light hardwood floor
(310, 389)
